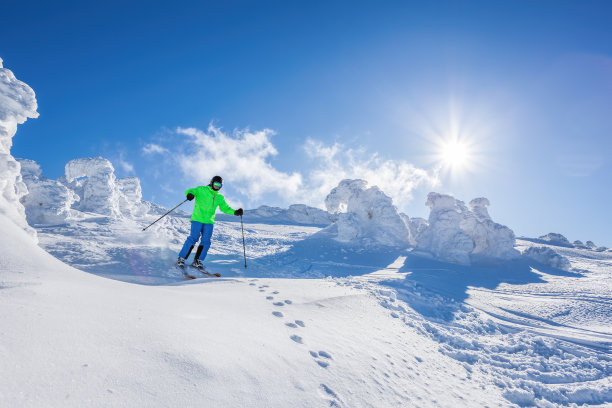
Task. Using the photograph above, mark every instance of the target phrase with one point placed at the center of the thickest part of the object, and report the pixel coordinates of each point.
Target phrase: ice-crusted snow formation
(48, 201)
(548, 256)
(130, 197)
(94, 181)
(460, 235)
(89, 184)
(366, 214)
(17, 104)
(416, 226)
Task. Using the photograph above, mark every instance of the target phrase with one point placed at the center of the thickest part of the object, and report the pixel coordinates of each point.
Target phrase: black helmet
(216, 178)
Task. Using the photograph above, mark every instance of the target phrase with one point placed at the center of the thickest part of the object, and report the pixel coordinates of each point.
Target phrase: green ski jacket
(206, 202)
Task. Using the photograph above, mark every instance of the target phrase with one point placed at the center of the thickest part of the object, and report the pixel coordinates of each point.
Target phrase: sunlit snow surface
(531, 335)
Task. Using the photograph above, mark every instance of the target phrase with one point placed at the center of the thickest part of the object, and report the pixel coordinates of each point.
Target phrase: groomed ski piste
(351, 307)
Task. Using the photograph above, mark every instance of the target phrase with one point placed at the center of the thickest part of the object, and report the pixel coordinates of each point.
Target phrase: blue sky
(359, 88)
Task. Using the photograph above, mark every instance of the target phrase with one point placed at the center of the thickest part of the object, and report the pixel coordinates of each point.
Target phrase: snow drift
(17, 104)
(366, 215)
(460, 235)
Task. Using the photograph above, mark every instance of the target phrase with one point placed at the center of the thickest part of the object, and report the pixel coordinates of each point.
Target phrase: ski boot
(180, 263)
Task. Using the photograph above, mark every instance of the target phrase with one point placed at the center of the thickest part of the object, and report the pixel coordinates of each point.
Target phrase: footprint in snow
(292, 325)
(275, 292)
(278, 304)
(251, 284)
(287, 301)
(321, 357)
(269, 297)
(296, 338)
(277, 314)
(300, 323)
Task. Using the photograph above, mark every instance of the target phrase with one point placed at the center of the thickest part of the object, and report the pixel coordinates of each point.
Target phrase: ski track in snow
(541, 337)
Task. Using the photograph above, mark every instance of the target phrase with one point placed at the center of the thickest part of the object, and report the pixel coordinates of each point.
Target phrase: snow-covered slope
(343, 316)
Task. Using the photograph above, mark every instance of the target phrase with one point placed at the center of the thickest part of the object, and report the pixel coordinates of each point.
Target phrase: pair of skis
(187, 275)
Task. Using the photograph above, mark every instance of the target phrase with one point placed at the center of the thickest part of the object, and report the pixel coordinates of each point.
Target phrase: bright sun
(455, 154)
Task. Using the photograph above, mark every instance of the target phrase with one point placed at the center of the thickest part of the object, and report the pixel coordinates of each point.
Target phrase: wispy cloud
(151, 148)
(123, 164)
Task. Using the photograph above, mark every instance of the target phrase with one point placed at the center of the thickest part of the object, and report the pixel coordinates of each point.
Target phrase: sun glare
(455, 154)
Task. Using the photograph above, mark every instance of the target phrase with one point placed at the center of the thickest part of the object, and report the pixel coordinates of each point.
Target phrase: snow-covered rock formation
(548, 256)
(17, 104)
(48, 201)
(554, 238)
(460, 235)
(366, 214)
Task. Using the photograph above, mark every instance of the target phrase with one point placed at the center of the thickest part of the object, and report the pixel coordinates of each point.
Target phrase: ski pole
(164, 215)
(243, 244)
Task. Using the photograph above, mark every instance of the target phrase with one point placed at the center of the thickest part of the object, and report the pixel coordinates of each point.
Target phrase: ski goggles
(217, 185)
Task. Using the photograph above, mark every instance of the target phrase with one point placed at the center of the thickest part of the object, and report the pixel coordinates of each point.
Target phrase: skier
(207, 199)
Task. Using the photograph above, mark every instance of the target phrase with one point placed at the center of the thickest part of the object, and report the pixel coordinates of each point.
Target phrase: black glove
(190, 196)
(238, 212)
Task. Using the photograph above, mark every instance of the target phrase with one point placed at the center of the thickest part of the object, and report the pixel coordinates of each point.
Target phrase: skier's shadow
(428, 277)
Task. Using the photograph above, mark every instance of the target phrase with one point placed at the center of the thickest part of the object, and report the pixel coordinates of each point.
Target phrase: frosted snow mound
(554, 238)
(130, 197)
(460, 235)
(48, 201)
(579, 244)
(94, 181)
(370, 215)
(548, 256)
(17, 104)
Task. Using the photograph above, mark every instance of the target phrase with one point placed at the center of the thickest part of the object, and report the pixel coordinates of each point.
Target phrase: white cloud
(241, 158)
(151, 148)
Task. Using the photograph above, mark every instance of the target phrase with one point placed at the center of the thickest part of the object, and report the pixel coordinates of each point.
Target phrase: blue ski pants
(198, 229)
